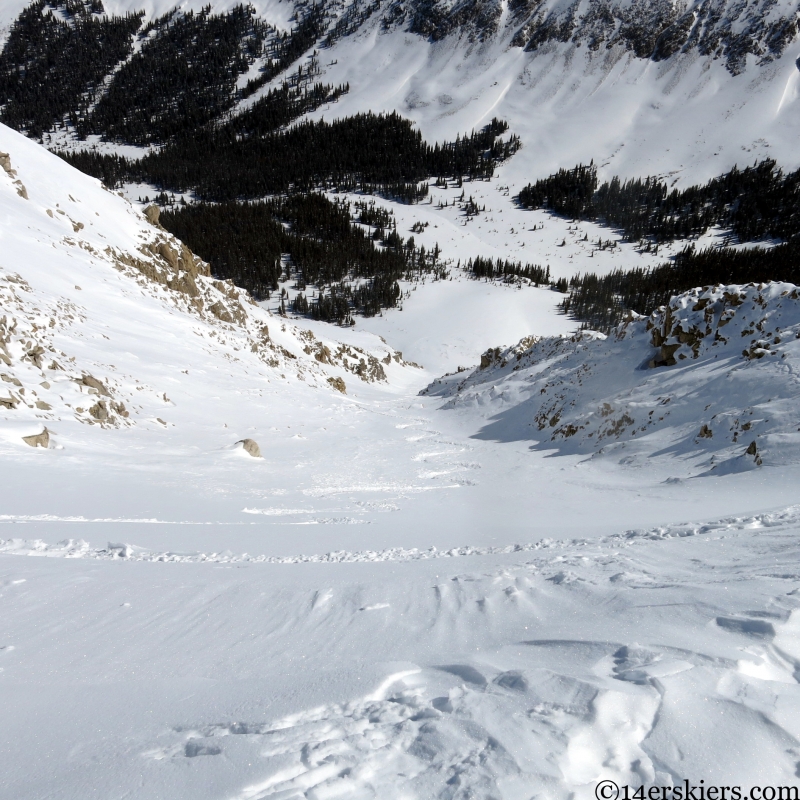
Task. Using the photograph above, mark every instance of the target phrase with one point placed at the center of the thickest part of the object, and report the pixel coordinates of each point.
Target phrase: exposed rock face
(250, 447)
(153, 213)
(38, 440)
(694, 321)
(338, 384)
(5, 164)
(220, 312)
(491, 356)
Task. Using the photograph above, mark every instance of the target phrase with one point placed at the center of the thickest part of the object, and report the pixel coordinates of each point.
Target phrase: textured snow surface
(397, 600)
(639, 658)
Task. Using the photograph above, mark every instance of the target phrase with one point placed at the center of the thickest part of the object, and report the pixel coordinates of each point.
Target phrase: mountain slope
(104, 314)
(390, 603)
(708, 382)
(675, 89)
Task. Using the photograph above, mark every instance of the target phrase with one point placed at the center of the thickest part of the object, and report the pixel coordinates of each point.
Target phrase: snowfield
(562, 564)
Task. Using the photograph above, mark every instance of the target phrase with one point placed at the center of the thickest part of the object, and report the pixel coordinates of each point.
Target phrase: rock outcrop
(676, 382)
(38, 440)
(250, 447)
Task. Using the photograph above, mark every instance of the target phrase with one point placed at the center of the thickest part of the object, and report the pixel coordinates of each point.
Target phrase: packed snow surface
(415, 591)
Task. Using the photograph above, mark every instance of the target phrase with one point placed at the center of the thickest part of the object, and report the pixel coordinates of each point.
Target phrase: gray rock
(251, 447)
(38, 440)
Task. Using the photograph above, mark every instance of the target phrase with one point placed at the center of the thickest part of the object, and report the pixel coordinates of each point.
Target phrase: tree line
(754, 202)
(380, 153)
(601, 301)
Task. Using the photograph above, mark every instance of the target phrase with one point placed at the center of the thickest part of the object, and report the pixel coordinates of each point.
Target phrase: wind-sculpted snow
(490, 678)
(711, 378)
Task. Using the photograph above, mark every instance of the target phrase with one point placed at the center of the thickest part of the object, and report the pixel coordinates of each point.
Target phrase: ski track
(72, 548)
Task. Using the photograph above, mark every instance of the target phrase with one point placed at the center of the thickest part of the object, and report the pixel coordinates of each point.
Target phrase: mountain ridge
(706, 70)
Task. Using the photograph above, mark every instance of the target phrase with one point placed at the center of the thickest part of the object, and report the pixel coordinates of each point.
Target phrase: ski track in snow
(71, 548)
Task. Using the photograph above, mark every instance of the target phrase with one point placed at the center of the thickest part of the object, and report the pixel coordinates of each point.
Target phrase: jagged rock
(338, 384)
(490, 357)
(752, 450)
(35, 355)
(99, 411)
(320, 352)
(38, 440)
(42, 406)
(705, 432)
(220, 312)
(9, 402)
(250, 447)
(153, 213)
(166, 252)
(93, 383)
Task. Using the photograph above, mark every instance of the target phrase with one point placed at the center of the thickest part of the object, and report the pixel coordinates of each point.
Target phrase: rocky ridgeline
(712, 376)
(654, 30)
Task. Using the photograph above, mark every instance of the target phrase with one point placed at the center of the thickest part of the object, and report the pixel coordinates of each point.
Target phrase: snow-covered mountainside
(97, 336)
(710, 378)
(684, 90)
(250, 557)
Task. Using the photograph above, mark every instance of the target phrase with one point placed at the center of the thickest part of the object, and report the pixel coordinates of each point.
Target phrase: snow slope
(505, 676)
(685, 118)
(394, 601)
(709, 380)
